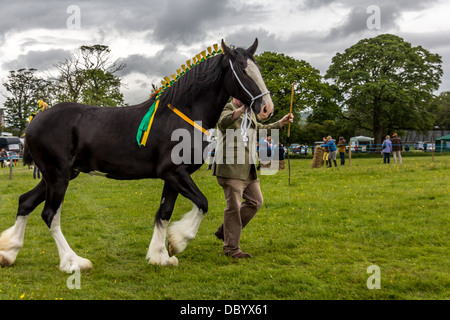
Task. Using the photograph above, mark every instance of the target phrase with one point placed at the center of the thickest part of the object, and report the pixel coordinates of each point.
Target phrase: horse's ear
(251, 51)
(227, 50)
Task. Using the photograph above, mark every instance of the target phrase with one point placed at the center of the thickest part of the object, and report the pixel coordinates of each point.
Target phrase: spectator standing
(387, 149)
(281, 154)
(341, 149)
(3, 157)
(332, 150)
(326, 152)
(397, 148)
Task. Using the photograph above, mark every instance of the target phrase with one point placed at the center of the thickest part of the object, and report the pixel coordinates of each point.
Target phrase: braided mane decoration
(202, 56)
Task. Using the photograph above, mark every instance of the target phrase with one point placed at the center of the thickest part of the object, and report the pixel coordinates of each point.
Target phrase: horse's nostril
(265, 109)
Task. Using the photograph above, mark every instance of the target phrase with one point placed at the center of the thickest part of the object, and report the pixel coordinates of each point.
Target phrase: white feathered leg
(11, 241)
(157, 253)
(183, 231)
(70, 261)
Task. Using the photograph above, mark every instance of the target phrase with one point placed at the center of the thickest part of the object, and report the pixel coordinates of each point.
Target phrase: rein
(245, 89)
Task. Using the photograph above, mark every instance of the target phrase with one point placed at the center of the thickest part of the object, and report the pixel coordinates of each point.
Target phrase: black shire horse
(70, 138)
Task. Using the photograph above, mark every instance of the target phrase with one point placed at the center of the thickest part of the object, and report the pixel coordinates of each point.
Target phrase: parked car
(304, 150)
(418, 145)
(430, 147)
(295, 148)
(13, 155)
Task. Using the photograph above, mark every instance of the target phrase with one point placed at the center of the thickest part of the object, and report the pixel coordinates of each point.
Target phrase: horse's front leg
(157, 253)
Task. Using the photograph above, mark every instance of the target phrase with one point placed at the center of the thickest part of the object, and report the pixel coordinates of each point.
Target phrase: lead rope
(247, 122)
(245, 125)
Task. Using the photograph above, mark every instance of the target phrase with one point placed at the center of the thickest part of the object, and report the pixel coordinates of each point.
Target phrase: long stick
(289, 134)
(290, 110)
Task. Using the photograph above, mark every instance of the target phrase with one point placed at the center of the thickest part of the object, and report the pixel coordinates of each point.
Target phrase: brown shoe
(219, 234)
(241, 255)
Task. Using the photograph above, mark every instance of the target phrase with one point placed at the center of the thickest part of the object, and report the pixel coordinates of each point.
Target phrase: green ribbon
(144, 123)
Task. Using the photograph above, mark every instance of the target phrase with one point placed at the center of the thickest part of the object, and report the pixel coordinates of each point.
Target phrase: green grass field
(312, 240)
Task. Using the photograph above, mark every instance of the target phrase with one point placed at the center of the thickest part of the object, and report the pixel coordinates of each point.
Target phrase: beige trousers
(238, 214)
(397, 155)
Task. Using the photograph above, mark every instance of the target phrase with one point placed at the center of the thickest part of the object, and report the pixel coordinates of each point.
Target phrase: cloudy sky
(154, 38)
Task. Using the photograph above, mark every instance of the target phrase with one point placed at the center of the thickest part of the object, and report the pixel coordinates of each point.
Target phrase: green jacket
(234, 159)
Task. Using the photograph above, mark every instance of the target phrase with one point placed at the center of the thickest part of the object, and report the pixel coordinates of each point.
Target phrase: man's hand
(237, 113)
(289, 118)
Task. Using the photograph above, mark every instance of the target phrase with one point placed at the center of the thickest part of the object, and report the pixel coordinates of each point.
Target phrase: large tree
(387, 84)
(442, 111)
(25, 89)
(88, 76)
(310, 91)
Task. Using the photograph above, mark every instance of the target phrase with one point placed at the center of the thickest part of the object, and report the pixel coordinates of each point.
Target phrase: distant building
(412, 136)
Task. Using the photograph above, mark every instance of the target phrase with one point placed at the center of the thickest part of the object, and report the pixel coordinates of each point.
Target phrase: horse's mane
(195, 81)
(199, 78)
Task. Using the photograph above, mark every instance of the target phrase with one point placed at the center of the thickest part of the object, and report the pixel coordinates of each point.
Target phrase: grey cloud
(51, 14)
(245, 37)
(190, 21)
(402, 5)
(429, 40)
(39, 60)
(315, 4)
(19, 15)
(164, 63)
(356, 21)
(184, 21)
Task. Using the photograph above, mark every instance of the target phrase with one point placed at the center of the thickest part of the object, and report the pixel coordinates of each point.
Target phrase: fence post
(350, 154)
(11, 164)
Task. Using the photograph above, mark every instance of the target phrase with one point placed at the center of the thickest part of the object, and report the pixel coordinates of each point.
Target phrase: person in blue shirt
(333, 151)
(387, 149)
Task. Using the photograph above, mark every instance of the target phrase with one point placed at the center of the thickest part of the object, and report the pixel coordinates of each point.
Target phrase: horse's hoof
(4, 262)
(76, 263)
(170, 247)
(173, 261)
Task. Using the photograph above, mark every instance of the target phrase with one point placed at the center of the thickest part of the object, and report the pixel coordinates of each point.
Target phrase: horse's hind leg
(69, 260)
(11, 240)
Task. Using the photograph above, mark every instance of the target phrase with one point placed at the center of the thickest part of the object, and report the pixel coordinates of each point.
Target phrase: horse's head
(245, 81)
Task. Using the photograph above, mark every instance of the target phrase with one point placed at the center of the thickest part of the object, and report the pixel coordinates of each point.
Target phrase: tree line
(88, 76)
(377, 86)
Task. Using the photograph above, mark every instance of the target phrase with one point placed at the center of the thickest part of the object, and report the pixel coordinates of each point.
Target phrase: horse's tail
(27, 158)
